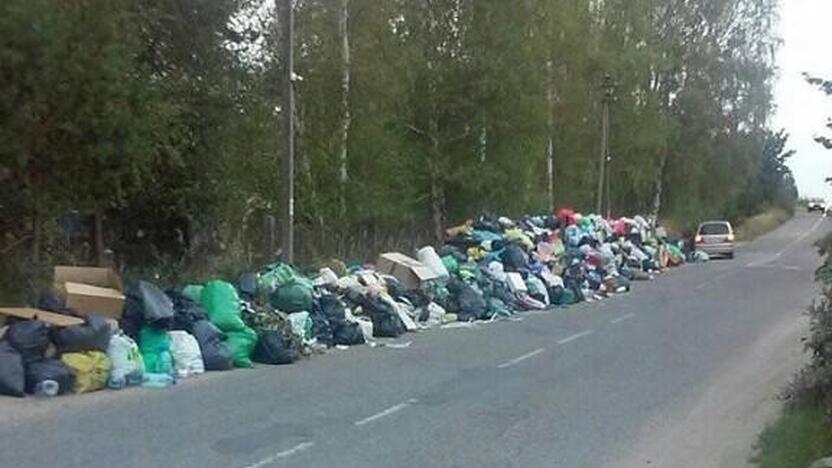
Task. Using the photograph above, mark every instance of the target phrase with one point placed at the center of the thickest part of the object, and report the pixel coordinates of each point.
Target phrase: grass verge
(757, 225)
(801, 435)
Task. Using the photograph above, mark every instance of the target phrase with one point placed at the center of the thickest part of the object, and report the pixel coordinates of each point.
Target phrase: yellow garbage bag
(91, 370)
(518, 235)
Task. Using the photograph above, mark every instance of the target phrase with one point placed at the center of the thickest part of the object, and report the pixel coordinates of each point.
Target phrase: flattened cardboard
(90, 290)
(28, 313)
(410, 272)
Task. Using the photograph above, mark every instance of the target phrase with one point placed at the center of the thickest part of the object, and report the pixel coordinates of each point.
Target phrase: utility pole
(607, 188)
(550, 142)
(603, 183)
(287, 210)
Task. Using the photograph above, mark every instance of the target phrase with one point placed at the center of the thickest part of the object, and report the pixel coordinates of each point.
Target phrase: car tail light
(730, 238)
(698, 239)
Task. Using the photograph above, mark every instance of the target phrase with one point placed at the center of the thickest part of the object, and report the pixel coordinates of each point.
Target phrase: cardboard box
(410, 272)
(90, 290)
(51, 318)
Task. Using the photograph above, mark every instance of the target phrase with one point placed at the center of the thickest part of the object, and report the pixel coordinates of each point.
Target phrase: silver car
(716, 238)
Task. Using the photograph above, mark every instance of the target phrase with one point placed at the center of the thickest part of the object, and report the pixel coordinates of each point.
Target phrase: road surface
(681, 372)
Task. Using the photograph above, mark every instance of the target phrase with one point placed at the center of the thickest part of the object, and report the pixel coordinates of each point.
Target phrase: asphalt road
(577, 387)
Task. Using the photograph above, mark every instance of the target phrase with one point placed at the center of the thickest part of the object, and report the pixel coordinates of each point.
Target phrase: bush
(813, 385)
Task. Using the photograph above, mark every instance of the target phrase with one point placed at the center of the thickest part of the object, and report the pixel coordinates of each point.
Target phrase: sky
(802, 109)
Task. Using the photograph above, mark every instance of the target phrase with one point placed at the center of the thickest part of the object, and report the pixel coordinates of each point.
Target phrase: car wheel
(730, 256)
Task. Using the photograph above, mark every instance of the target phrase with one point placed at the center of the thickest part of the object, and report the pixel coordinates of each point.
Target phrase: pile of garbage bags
(488, 269)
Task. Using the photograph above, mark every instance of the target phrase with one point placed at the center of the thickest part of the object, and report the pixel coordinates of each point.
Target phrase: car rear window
(712, 229)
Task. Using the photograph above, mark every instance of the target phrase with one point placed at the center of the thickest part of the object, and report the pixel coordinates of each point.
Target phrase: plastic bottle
(47, 389)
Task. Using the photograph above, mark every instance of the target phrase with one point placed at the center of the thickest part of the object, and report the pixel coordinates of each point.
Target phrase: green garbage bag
(496, 307)
(451, 264)
(281, 274)
(241, 343)
(154, 345)
(676, 254)
(566, 297)
(469, 272)
(222, 306)
(193, 292)
(292, 297)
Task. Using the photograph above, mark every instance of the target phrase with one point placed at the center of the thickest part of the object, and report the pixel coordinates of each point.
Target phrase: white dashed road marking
(286, 453)
(387, 412)
(574, 337)
(622, 318)
(521, 358)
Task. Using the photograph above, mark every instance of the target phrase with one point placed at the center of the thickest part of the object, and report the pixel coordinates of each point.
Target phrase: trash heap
(93, 333)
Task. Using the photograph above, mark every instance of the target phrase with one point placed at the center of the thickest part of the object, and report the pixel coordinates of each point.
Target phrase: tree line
(155, 123)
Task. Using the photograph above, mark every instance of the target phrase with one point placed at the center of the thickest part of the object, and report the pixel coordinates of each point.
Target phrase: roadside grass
(798, 437)
(757, 225)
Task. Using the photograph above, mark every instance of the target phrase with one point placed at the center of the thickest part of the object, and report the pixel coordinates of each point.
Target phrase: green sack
(451, 264)
(291, 298)
(566, 297)
(676, 253)
(496, 307)
(222, 306)
(281, 274)
(154, 344)
(192, 292)
(241, 344)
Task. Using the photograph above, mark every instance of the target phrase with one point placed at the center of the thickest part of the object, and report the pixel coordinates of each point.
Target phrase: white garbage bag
(127, 363)
(515, 282)
(187, 357)
(301, 324)
(430, 258)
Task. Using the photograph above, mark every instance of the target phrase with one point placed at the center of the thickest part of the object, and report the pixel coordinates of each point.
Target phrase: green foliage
(162, 115)
(813, 385)
(797, 438)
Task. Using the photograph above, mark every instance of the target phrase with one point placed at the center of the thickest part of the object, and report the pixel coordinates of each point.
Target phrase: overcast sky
(801, 109)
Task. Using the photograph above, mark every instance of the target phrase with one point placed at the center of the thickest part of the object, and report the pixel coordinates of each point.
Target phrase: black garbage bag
(132, 318)
(333, 308)
(321, 328)
(343, 332)
(386, 322)
(247, 286)
(12, 374)
(417, 298)
(273, 348)
(348, 334)
(394, 287)
(215, 354)
(30, 338)
(472, 304)
(49, 369)
(488, 223)
(186, 311)
(53, 303)
(551, 222)
(157, 308)
(514, 258)
(93, 335)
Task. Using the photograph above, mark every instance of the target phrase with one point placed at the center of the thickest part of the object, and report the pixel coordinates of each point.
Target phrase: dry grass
(757, 225)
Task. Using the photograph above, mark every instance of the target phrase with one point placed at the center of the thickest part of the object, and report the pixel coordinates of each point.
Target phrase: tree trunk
(482, 146)
(659, 187)
(98, 220)
(346, 118)
(437, 199)
(37, 236)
